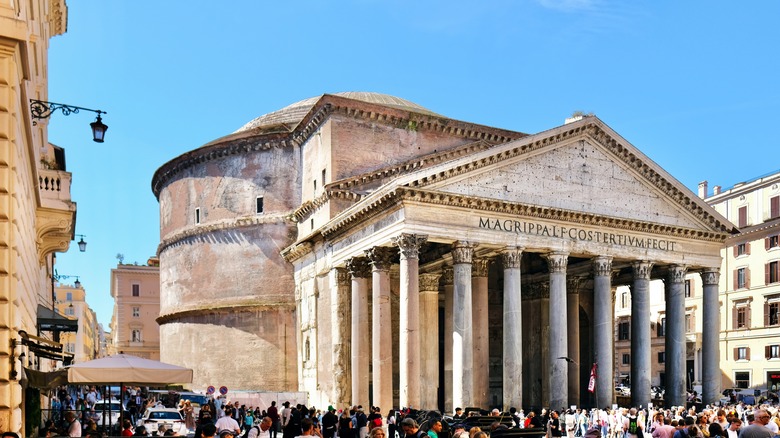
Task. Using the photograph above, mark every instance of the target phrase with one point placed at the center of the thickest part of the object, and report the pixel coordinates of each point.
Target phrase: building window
(688, 289)
(772, 271)
(136, 312)
(741, 315)
(626, 359)
(136, 335)
(69, 296)
(772, 352)
(774, 207)
(71, 347)
(742, 379)
(772, 311)
(312, 224)
(624, 300)
(624, 331)
(323, 177)
(259, 205)
(741, 249)
(742, 214)
(70, 311)
(772, 242)
(136, 290)
(197, 215)
(661, 357)
(662, 327)
(690, 323)
(741, 278)
(742, 353)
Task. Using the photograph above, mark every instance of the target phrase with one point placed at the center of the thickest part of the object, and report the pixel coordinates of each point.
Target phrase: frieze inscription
(573, 233)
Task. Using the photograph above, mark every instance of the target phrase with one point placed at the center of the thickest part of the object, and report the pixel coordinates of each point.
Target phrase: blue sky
(692, 84)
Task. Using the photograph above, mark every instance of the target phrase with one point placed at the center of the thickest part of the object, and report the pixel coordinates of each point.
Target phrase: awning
(44, 380)
(51, 321)
(45, 348)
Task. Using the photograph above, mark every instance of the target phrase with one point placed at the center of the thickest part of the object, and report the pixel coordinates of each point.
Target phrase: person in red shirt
(127, 428)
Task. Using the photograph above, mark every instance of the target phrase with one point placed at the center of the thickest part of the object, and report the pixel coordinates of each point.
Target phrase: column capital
(479, 267)
(409, 244)
(358, 267)
(557, 261)
(511, 257)
(602, 266)
(342, 276)
(642, 269)
(710, 276)
(677, 273)
(462, 251)
(448, 274)
(380, 257)
(429, 282)
(573, 285)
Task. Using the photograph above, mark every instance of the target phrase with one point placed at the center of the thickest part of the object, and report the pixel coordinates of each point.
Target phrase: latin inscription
(573, 233)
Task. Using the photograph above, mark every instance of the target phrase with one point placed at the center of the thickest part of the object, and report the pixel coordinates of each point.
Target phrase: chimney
(716, 190)
(703, 189)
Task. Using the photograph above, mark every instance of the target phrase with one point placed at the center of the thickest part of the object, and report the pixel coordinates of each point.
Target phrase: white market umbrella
(128, 370)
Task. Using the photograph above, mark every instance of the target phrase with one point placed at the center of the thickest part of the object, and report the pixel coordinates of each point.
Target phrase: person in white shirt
(262, 430)
(733, 430)
(227, 422)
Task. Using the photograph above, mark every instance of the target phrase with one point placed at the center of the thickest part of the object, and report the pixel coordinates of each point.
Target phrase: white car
(169, 418)
(107, 413)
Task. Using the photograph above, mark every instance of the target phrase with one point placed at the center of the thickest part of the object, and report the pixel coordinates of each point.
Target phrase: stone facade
(37, 216)
(71, 302)
(371, 197)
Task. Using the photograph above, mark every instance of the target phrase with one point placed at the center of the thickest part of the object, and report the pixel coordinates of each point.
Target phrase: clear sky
(692, 84)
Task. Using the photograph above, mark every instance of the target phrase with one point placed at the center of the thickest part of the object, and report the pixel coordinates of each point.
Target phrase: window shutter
(736, 250)
(747, 248)
(766, 314)
(736, 283)
(736, 353)
(747, 316)
(767, 352)
(747, 278)
(774, 208)
(734, 318)
(747, 353)
(742, 217)
(766, 244)
(766, 273)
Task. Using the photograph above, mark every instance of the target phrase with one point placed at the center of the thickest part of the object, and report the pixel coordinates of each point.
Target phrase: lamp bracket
(41, 109)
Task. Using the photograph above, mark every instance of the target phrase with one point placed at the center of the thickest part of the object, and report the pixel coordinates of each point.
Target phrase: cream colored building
(136, 293)
(71, 302)
(37, 216)
(750, 283)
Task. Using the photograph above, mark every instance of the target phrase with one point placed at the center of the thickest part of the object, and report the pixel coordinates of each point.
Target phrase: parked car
(169, 418)
(107, 413)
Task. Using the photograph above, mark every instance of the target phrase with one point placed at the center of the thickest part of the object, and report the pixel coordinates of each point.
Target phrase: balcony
(54, 188)
(56, 214)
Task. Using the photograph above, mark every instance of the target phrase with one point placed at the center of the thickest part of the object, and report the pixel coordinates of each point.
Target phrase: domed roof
(292, 114)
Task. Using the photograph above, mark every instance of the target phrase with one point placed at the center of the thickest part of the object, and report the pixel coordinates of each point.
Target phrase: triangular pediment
(582, 167)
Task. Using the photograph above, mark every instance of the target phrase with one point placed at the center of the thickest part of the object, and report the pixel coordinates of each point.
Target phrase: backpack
(633, 427)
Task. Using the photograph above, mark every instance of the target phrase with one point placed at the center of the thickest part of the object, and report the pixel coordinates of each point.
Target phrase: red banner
(592, 381)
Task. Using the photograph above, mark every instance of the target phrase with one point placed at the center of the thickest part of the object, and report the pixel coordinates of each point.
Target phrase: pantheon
(363, 249)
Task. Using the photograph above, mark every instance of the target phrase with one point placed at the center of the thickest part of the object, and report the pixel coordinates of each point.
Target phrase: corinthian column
(573, 338)
(640, 334)
(480, 328)
(381, 334)
(360, 271)
(340, 333)
(462, 345)
(710, 373)
(447, 276)
(409, 321)
(559, 359)
(674, 338)
(513, 329)
(603, 334)
(429, 341)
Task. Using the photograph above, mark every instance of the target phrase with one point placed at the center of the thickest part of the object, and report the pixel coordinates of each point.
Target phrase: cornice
(294, 252)
(58, 17)
(228, 224)
(258, 139)
(216, 308)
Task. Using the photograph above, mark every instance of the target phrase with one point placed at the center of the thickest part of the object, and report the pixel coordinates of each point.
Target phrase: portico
(530, 237)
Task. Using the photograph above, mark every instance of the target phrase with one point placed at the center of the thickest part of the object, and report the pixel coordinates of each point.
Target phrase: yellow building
(750, 283)
(136, 293)
(71, 302)
(37, 217)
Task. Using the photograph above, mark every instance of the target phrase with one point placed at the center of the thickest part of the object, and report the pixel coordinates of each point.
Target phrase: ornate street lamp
(41, 109)
(82, 243)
